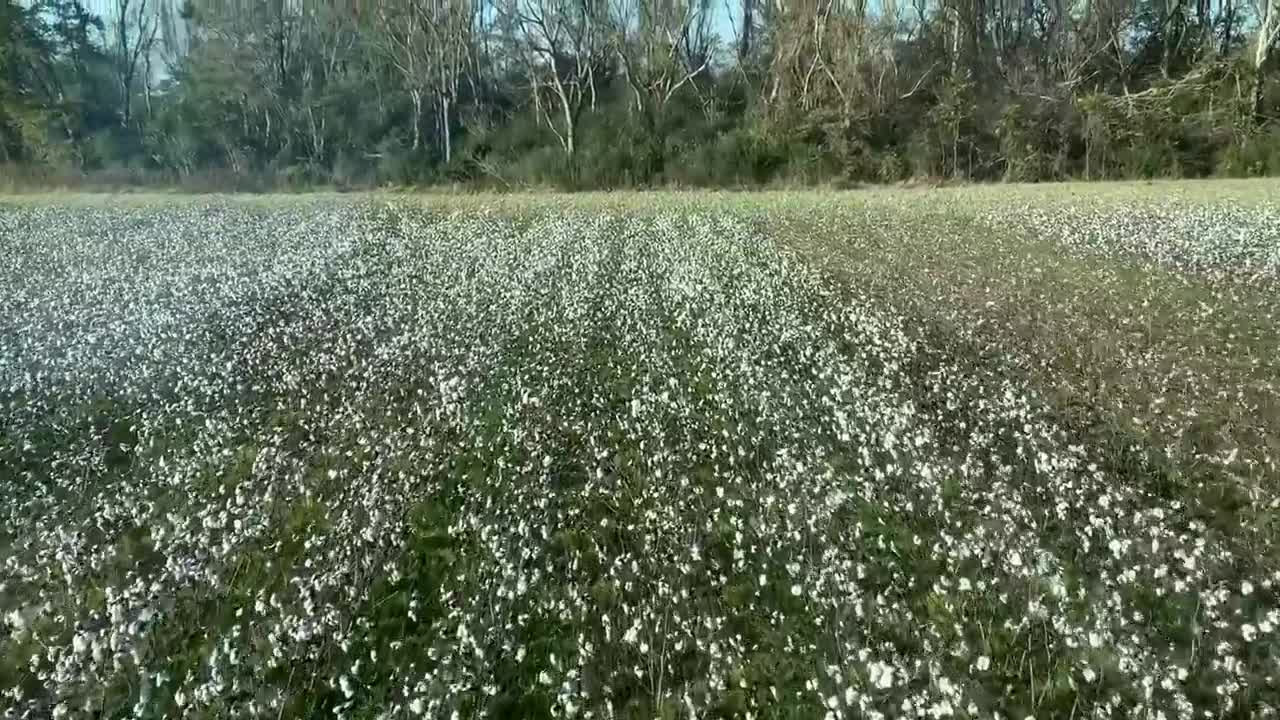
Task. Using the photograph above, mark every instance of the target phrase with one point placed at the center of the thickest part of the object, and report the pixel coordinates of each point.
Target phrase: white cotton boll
(881, 675)
(1246, 588)
(1057, 587)
(941, 709)
(1248, 632)
(81, 642)
(984, 663)
(796, 590)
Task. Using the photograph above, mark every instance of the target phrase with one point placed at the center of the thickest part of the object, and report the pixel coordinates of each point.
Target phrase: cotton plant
(1221, 239)
(365, 460)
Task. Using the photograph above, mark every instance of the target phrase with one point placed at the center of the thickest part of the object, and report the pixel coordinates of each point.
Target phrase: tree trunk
(1266, 38)
(146, 83)
(567, 111)
(955, 151)
(1259, 94)
(444, 127)
(122, 59)
(281, 63)
(126, 110)
(1204, 18)
(570, 142)
(1228, 24)
(417, 117)
(955, 42)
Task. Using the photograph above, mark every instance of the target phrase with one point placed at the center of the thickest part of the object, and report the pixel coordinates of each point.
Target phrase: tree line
(624, 93)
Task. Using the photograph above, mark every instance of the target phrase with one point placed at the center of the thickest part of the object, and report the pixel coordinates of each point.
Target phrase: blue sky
(727, 18)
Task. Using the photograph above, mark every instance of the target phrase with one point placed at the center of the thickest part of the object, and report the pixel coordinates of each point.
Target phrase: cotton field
(364, 459)
(1220, 239)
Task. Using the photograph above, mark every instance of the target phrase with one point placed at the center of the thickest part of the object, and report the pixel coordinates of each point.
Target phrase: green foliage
(1255, 154)
(741, 156)
(1030, 136)
(333, 106)
(949, 121)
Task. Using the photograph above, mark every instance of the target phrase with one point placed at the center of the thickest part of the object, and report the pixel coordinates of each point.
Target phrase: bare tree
(429, 44)
(830, 54)
(134, 28)
(404, 41)
(450, 28)
(662, 46)
(327, 38)
(176, 34)
(1268, 32)
(562, 46)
